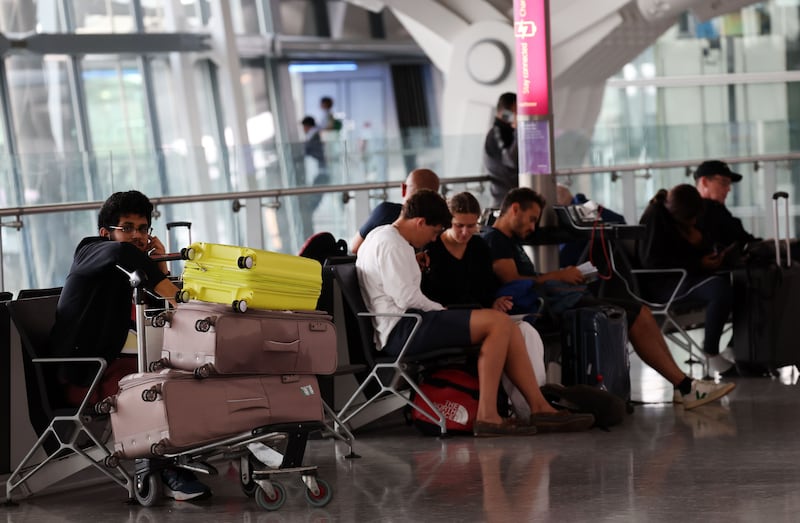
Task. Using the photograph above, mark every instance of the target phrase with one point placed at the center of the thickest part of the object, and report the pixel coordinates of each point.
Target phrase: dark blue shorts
(439, 329)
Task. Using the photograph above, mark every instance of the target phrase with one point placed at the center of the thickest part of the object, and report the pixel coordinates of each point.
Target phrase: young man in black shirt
(95, 309)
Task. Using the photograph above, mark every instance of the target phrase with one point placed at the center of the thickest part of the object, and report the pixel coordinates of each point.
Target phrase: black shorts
(438, 329)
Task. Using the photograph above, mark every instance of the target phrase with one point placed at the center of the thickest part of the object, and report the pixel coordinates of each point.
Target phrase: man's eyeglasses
(144, 230)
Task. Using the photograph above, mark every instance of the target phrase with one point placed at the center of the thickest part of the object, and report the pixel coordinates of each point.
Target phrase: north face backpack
(455, 394)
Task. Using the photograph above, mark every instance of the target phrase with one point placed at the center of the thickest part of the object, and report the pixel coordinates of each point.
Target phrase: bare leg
(492, 330)
(519, 370)
(650, 345)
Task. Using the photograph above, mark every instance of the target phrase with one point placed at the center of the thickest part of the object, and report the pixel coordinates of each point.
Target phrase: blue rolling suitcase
(594, 349)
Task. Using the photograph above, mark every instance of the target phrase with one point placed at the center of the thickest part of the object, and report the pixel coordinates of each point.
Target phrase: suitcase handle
(175, 225)
(776, 197)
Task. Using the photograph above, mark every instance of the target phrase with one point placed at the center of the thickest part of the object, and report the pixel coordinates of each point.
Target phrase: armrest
(417, 320)
(69, 360)
(102, 364)
(682, 273)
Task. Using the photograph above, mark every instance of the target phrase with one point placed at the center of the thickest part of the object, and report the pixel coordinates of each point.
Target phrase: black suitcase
(766, 304)
(594, 349)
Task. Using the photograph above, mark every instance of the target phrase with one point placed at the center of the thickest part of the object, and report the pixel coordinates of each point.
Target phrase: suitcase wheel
(111, 461)
(203, 325)
(182, 296)
(272, 501)
(323, 495)
(158, 449)
(202, 372)
(161, 319)
(150, 394)
(105, 406)
(148, 491)
(245, 262)
(157, 365)
(239, 306)
(187, 253)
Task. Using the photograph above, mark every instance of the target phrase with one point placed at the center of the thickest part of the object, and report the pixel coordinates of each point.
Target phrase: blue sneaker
(182, 485)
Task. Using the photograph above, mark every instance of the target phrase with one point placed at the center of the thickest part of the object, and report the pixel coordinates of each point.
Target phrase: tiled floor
(731, 461)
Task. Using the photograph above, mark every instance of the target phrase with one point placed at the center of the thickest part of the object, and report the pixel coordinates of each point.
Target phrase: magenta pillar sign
(534, 119)
(530, 31)
(534, 152)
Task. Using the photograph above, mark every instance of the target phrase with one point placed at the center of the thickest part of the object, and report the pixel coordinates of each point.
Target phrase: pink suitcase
(211, 339)
(157, 413)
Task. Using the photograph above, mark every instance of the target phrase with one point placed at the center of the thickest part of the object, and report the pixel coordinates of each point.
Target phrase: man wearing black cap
(713, 179)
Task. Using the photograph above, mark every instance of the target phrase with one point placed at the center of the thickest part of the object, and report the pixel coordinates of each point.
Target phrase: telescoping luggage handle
(775, 198)
(135, 278)
(175, 225)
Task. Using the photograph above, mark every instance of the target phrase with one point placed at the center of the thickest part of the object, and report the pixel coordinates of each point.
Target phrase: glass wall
(163, 120)
(702, 89)
(722, 88)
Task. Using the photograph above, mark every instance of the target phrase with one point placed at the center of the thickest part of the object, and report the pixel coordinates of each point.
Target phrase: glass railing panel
(77, 177)
(40, 253)
(56, 177)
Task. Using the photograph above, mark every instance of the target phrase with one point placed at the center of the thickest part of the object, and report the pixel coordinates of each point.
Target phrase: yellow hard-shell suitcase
(245, 277)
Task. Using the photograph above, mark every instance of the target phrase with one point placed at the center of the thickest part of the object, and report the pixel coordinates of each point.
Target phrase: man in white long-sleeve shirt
(390, 283)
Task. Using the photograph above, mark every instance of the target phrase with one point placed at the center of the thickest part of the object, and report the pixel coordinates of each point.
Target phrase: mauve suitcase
(211, 339)
(158, 413)
(244, 278)
(766, 305)
(594, 349)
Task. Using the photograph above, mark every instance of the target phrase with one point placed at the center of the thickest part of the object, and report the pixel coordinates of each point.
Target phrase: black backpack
(320, 247)
(608, 409)
(323, 245)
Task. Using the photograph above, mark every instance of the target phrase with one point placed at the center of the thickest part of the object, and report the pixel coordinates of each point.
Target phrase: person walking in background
(313, 164)
(328, 122)
(500, 155)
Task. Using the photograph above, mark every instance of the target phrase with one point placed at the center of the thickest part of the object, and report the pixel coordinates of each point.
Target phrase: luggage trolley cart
(256, 476)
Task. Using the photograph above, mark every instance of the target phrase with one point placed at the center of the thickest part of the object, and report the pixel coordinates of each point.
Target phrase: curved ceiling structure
(471, 43)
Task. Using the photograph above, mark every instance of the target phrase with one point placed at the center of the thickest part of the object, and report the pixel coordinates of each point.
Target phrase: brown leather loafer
(562, 421)
(483, 429)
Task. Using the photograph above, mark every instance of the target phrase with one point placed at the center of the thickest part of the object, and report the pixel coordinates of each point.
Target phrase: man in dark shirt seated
(94, 312)
(713, 179)
(388, 212)
(519, 215)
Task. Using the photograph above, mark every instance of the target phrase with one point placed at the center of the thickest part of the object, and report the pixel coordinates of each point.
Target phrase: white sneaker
(704, 392)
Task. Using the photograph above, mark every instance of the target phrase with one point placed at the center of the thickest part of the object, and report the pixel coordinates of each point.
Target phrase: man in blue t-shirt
(519, 215)
(388, 212)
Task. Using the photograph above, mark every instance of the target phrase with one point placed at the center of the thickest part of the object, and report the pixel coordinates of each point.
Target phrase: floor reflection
(732, 460)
